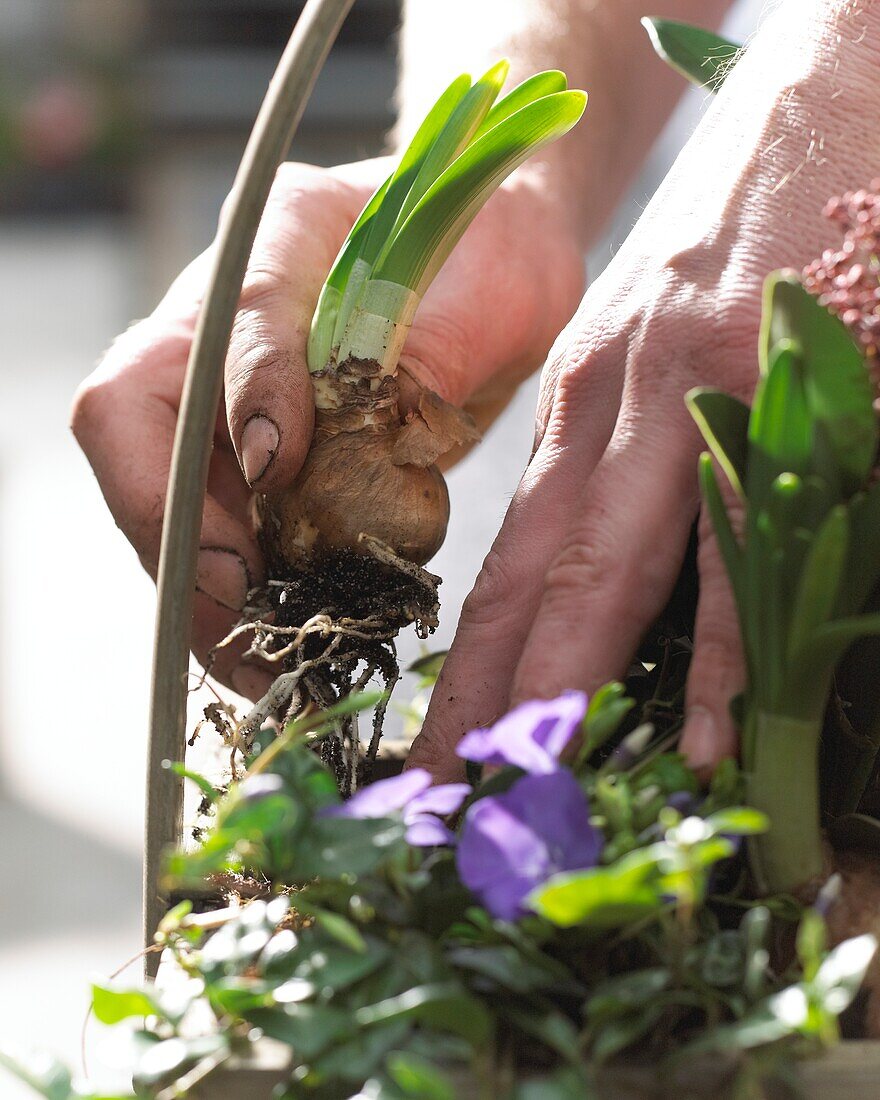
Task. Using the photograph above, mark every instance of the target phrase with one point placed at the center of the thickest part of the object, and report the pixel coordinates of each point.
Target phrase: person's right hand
(488, 319)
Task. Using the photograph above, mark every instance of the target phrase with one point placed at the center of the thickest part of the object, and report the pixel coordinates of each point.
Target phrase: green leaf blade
(820, 579)
(704, 58)
(425, 240)
(451, 141)
(724, 423)
(837, 389)
(530, 90)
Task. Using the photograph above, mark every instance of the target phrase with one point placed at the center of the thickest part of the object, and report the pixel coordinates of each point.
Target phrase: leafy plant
(807, 559)
(392, 955)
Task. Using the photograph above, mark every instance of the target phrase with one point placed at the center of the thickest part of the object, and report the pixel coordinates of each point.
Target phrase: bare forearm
(790, 129)
(598, 43)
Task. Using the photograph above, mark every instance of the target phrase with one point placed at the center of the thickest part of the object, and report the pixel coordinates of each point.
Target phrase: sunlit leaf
(112, 1005)
(607, 708)
(841, 974)
(531, 89)
(729, 547)
(424, 241)
(205, 786)
(702, 57)
(817, 592)
(444, 1006)
(604, 897)
(739, 821)
(835, 381)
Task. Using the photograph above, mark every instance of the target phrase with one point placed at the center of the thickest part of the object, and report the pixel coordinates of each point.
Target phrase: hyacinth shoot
(371, 472)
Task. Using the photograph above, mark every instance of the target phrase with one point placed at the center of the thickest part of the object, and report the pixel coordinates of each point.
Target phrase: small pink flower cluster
(847, 281)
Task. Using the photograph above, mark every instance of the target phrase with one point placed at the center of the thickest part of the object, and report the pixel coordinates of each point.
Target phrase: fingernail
(252, 683)
(701, 741)
(259, 442)
(222, 575)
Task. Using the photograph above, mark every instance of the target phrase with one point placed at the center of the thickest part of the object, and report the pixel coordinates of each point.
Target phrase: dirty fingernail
(259, 442)
(252, 683)
(223, 576)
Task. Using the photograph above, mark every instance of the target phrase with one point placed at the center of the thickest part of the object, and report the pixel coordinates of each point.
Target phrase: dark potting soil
(346, 585)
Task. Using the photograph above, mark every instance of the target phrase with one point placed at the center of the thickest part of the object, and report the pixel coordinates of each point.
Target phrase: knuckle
(564, 386)
(495, 590)
(262, 283)
(429, 749)
(261, 364)
(581, 566)
(88, 403)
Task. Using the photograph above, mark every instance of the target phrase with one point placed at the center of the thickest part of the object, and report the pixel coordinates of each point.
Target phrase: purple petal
(427, 831)
(532, 736)
(558, 720)
(384, 798)
(513, 842)
(442, 800)
(499, 858)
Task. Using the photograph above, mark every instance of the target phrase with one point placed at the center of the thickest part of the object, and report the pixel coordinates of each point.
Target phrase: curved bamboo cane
(279, 116)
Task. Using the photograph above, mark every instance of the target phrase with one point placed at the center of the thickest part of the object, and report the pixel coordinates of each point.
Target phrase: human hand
(596, 533)
(487, 320)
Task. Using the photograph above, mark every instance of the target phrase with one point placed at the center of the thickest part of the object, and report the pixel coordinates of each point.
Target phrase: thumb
(268, 390)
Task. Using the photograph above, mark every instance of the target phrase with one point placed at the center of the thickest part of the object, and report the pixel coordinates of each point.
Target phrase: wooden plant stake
(279, 116)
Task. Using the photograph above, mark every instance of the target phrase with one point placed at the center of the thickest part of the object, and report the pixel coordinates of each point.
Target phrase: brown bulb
(350, 486)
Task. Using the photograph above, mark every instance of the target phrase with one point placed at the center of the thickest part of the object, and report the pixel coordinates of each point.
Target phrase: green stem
(379, 323)
(783, 779)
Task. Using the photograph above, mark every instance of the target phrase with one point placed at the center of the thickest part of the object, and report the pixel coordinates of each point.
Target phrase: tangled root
(330, 629)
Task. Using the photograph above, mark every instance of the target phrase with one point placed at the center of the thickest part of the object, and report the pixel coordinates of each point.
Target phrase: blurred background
(121, 125)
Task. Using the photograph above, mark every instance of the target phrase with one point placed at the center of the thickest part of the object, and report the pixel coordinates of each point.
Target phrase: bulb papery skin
(349, 487)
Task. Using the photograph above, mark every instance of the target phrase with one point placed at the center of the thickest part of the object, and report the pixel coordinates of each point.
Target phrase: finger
(717, 671)
(475, 682)
(496, 306)
(268, 392)
(619, 561)
(124, 418)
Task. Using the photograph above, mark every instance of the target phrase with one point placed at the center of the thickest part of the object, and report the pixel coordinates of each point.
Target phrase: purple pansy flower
(512, 842)
(411, 795)
(531, 737)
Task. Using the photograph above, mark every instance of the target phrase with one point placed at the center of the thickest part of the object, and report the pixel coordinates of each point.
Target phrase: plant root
(330, 629)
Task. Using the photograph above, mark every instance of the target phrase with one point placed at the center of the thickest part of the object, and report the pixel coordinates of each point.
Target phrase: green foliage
(671, 874)
(809, 554)
(606, 711)
(374, 965)
(702, 57)
(464, 149)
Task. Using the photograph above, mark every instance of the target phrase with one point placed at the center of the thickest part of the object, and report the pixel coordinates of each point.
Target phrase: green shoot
(466, 146)
(423, 244)
(809, 558)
